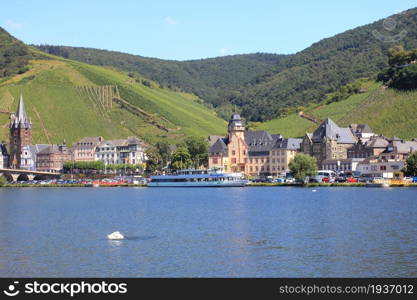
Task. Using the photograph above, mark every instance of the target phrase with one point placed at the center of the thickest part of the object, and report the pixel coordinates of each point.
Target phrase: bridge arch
(8, 177)
(40, 177)
(23, 177)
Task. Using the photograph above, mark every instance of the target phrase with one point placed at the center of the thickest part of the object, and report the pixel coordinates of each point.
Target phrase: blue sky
(189, 29)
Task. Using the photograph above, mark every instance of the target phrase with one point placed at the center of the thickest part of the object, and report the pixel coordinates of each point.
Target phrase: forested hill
(14, 55)
(325, 66)
(260, 85)
(206, 78)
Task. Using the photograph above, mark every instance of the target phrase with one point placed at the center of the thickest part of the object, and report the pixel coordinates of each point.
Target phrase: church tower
(236, 127)
(20, 134)
(237, 148)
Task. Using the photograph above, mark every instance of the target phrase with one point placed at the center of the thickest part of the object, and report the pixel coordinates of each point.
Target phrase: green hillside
(261, 85)
(388, 111)
(323, 67)
(207, 78)
(68, 100)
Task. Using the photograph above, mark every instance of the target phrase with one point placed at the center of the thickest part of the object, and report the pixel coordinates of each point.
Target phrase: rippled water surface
(208, 232)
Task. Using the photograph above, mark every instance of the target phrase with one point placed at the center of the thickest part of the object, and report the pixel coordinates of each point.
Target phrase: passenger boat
(198, 178)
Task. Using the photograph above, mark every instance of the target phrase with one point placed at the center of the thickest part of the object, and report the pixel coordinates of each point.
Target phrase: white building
(29, 154)
(4, 156)
(128, 151)
(346, 165)
(373, 167)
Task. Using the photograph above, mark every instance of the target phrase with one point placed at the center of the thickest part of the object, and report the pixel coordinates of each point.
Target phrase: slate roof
(35, 149)
(133, 140)
(91, 139)
(329, 129)
(113, 143)
(213, 139)
(20, 119)
(403, 146)
(219, 147)
(290, 144)
(377, 142)
(54, 148)
(360, 128)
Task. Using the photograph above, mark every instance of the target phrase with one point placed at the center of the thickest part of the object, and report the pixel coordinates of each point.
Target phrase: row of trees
(90, 166)
(192, 153)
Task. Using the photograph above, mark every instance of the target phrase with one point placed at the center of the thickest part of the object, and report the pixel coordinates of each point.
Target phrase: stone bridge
(24, 175)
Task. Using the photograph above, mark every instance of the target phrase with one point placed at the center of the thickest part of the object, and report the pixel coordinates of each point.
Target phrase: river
(209, 232)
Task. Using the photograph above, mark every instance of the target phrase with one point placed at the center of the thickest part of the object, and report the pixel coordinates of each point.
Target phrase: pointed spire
(21, 119)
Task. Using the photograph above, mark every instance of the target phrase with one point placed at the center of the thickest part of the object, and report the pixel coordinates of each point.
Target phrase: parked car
(351, 179)
(366, 179)
(280, 180)
(290, 180)
(414, 179)
(331, 175)
(341, 179)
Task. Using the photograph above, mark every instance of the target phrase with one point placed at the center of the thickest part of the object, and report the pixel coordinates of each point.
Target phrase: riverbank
(263, 184)
(22, 185)
(323, 184)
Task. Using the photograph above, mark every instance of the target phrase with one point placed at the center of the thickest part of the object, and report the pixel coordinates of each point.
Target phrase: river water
(209, 232)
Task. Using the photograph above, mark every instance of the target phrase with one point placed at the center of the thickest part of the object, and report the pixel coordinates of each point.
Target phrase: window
(233, 152)
(383, 168)
(233, 160)
(215, 160)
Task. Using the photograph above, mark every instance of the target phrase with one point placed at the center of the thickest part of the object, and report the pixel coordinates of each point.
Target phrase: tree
(198, 149)
(3, 181)
(165, 151)
(303, 165)
(411, 165)
(181, 159)
(154, 161)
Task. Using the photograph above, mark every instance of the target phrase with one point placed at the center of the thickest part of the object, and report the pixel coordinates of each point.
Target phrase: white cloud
(13, 25)
(170, 20)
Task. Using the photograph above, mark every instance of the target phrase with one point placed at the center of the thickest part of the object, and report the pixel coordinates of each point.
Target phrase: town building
(52, 158)
(375, 167)
(398, 149)
(4, 156)
(362, 131)
(124, 151)
(85, 149)
(345, 165)
(29, 156)
(251, 152)
(20, 128)
(328, 142)
(373, 146)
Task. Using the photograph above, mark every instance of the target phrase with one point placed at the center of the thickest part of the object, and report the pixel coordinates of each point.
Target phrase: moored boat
(198, 178)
